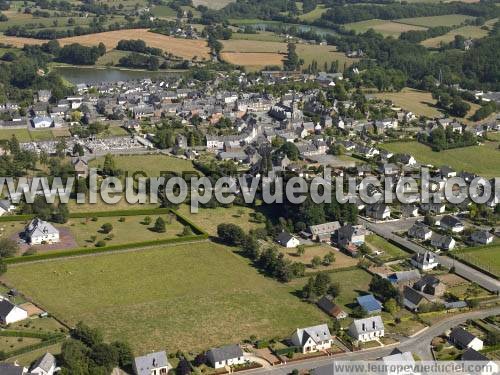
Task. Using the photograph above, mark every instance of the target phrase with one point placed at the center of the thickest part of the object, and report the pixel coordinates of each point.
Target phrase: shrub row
(35, 335)
(30, 348)
(288, 350)
(97, 250)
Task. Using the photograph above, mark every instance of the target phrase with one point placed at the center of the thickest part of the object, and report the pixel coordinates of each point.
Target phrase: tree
(160, 226)
(109, 167)
(89, 336)
(125, 353)
(187, 231)
(334, 290)
(383, 288)
(290, 150)
(391, 306)
(292, 61)
(147, 220)
(8, 247)
(231, 234)
(78, 149)
(301, 249)
(316, 261)
(106, 228)
(329, 258)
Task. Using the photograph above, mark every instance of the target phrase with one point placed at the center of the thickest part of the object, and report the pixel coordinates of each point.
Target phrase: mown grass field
(212, 4)
(314, 14)
(433, 21)
(389, 251)
(185, 48)
(25, 135)
(419, 102)
(482, 160)
(264, 36)
(386, 28)
(341, 260)
(152, 165)
(188, 297)
(487, 257)
(256, 54)
(472, 32)
(209, 218)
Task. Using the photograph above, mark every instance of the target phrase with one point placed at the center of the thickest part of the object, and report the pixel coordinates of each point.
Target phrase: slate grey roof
(371, 324)
(150, 361)
(224, 353)
(10, 369)
(38, 227)
(411, 298)
(5, 308)
(324, 228)
(461, 336)
(316, 333)
(473, 355)
(283, 238)
(45, 362)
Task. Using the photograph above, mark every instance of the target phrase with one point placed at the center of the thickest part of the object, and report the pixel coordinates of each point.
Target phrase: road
(386, 230)
(418, 344)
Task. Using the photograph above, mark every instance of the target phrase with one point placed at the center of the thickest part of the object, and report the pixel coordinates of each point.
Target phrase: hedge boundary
(35, 335)
(199, 235)
(30, 348)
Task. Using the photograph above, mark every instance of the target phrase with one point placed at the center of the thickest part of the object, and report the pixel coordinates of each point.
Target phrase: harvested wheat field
(253, 60)
(185, 48)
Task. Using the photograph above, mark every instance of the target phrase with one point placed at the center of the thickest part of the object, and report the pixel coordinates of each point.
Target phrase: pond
(94, 75)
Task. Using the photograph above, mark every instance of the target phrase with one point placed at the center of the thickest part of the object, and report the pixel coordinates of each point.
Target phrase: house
(425, 261)
(399, 363)
(331, 308)
(451, 223)
(6, 206)
(323, 232)
(39, 231)
(378, 211)
(442, 242)
(45, 365)
(369, 304)
(409, 210)
(412, 299)
(285, 239)
(479, 236)
(431, 285)
(420, 231)
(10, 313)
(81, 167)
(464, 339)
(313, 339)
(404, 277)
(40, 122)
(350, 234)
(228, 355)
(367, 329)
(435, 208)
(152, 364)
(12, 369)
(488, 368)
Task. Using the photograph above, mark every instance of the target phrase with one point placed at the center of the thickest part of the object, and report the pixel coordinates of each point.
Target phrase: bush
(100, 243)
(106, 228)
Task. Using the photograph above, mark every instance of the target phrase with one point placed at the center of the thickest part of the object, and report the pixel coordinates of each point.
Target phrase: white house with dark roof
(451, 223)
(367, 329)
(10, 313)
(313, 339)
(39, 231)
(442, 241)
(399, 363)
(482, 237)
(152, 364)
(425, 261)
(285, 239)
(228, 355)
(465, 340)
(420, 231)
(45, 365)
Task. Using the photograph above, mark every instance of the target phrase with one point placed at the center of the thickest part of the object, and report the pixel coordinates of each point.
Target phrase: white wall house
(10, 313)
(39, 231)
(229, 355)
(45, 365)
(464, 339)
(313, 339)
(152, 364)
(287, 240)
(367, 329)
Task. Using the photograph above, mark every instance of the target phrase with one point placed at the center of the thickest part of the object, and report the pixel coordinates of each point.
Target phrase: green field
(152, 165)
(433, 21)
(472, 32)
(162, 11)
(389, 250)
(264, 36)
(386, 28)
(482, 160)
(111, 58)
(188, 297)
(419, 102)
(313, 15)
(486, 257)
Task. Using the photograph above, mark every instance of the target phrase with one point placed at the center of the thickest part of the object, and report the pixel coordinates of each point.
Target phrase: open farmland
(472, 32)
(185, 48)
(386, 28)
(314, 14)
(254, 54)
(419, 102)
(433, 21)
(482, 160)
(170, 298)
(212, 4)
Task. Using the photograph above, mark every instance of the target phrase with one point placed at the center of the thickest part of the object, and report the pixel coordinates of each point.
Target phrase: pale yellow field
(186, 48)
(473, 32)
(386, 28)
(253, 60)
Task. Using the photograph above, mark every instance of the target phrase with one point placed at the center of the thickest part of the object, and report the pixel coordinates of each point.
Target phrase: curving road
(418, 344)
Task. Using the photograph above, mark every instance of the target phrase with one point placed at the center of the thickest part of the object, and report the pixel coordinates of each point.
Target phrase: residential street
(418, 344)
(387, 230)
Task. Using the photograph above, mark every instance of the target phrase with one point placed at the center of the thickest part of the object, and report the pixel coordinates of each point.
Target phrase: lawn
(419, 102)
(433, 21)
(482, 160)
(386, 28)
(153, 165)
(352, 284)
(8, 344)
(133, 229)
(212, 4)
(111, 57)
(163, 11)
(264, 36)
(178, 297)
(22, 135)
(209, 218)
(389, 251)
(486, 257)
(472, 32)
(28, 358)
